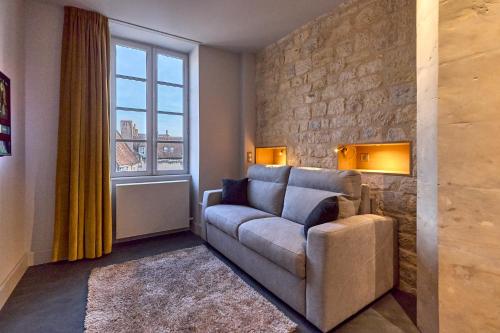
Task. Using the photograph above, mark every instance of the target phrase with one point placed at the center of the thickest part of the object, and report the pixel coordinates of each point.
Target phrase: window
(148, 110)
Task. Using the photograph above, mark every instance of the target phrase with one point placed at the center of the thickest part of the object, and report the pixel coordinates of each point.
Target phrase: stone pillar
(427, 220)
(469, 166)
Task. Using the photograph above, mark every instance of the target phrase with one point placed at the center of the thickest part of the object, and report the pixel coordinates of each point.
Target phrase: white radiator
(148, 208)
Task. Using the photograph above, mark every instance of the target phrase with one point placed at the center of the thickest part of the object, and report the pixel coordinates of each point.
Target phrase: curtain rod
(154, 30)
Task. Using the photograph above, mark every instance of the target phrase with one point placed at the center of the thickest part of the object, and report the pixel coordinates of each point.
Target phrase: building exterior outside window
(148, 110)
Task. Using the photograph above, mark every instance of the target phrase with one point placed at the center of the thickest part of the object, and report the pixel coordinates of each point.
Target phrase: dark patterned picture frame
(5, 116)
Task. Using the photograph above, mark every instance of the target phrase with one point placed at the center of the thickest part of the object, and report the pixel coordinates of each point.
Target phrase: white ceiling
(238, 25)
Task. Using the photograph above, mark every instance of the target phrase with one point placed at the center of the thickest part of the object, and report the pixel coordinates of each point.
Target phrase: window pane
(170, 69)
(130, 156)
(130, 62)
(170, 127)
(170, 156)
(130, 125)
(170, 99)
(130, 94)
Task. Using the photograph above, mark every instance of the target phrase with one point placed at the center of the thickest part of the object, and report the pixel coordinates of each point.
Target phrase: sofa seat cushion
(228, 218)
(279, 240)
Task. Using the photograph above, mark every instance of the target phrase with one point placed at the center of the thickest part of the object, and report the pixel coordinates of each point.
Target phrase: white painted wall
(44, 23)
(13, 259)
(194, 134)
(216, 140)
(248, 120)
(219, 116)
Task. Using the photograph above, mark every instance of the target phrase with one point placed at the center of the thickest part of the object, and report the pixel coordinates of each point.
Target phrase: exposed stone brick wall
(347, 77)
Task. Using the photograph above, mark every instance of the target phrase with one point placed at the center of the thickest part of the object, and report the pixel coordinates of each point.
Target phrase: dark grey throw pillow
(325, 211)
(234, 191)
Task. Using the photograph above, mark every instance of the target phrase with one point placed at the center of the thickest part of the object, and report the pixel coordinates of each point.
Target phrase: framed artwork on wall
(5, 116)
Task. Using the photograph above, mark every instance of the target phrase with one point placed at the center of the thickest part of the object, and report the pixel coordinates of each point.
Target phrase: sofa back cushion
(266, 187)
(308, 186)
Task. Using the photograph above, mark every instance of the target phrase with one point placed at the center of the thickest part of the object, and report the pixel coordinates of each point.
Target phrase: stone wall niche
(385, 158)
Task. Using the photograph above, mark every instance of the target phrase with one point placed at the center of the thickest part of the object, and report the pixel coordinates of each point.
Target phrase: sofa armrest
(350, 263)
(210, 198)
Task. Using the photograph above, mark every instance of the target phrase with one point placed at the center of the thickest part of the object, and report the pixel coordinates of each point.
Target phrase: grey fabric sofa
(341, 267)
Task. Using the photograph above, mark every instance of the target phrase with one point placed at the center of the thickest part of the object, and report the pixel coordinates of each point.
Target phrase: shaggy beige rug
(189, 290)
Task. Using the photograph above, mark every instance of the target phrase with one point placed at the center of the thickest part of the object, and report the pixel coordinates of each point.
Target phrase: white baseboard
(40, 257)
(196, 228)
(31, 258)
(13, 279)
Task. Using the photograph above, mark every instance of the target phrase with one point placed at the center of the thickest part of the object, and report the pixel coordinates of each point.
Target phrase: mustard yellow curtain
(83, 225)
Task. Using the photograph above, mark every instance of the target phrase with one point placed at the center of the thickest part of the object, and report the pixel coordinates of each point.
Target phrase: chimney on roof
(127, 129)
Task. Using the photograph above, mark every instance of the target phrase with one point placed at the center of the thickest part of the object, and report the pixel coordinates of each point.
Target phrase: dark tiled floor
(52, 297)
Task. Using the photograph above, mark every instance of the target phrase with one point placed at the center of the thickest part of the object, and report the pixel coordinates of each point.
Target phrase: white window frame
(152, 53)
